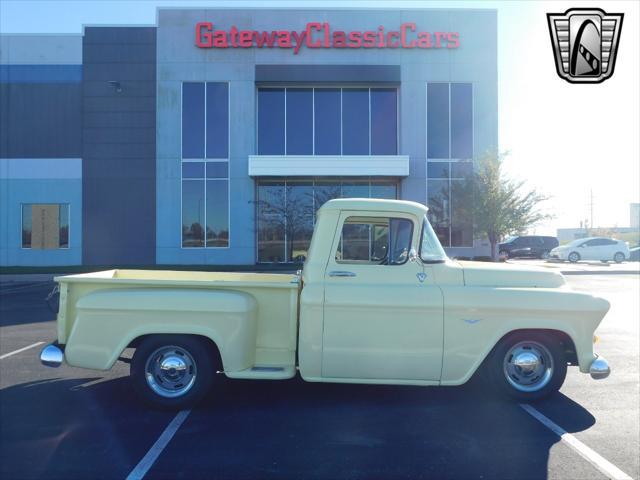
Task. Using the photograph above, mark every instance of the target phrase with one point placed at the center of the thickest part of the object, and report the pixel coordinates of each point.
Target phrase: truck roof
(415, 208)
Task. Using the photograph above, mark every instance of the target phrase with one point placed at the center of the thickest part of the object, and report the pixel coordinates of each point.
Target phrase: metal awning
(328, 165)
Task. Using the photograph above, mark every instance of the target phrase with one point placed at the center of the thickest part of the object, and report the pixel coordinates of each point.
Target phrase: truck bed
(276, 297)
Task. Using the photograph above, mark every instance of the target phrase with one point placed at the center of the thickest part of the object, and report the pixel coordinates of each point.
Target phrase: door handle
(341, 273)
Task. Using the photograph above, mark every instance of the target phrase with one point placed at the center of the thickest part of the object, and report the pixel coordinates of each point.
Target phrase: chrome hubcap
(528, 366)
(170, 371)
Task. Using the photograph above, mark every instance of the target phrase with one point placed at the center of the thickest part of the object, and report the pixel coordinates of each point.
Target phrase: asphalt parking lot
(70, 423)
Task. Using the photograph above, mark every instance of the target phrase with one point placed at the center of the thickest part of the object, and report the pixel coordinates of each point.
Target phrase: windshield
(430, 248)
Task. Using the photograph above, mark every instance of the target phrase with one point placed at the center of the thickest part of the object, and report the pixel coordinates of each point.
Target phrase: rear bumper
(52, 355)
(599, 368)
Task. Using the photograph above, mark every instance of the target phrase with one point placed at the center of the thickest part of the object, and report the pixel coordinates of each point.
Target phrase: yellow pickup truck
(378, 301)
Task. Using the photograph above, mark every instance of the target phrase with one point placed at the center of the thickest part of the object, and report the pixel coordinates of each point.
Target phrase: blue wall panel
(119, 168)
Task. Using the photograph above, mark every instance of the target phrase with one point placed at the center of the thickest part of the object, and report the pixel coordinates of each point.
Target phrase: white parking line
(20, 350)
(595, 459)
(154, 452)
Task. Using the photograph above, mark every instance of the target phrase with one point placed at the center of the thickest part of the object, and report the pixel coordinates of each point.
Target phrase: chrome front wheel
(528, 366)
(170, 371)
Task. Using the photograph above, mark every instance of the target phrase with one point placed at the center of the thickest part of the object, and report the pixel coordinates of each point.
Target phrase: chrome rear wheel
(170, 371)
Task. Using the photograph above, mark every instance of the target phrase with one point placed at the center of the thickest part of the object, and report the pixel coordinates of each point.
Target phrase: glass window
(384, 190)
(271, 121)
(299, 121)
(438, 169)
(430, 248)
(217, 213)
(461, 214)
(325, 191)
(217, 169)
(384, 121)
(438, 203)
(193, 213)
(438, 120)
(271, 222)
(192, 169)
(217, 120)
(462, 170)
(328, 122)
(461, 121)
(299, 220)
(45, 226)
(355, 190)
(355, 121)
(193, 120)
(375, 241)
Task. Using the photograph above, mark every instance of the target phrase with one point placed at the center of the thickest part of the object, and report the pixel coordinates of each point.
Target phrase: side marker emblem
(421, 276)
(471, 321)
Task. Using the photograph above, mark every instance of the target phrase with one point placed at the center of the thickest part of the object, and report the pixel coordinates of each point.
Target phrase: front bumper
(52, 355)
(599, 368)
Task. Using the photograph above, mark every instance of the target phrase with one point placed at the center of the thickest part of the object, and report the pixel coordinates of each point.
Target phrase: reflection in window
(45, 226)
(217, 213)
(355, 121)
(438, 203)
(384, 118)
(461, 121)
(328, 124)
(327, 121)
(205, 183)
(438, 120)
(217, 120)
(299, 121)
(450, 202)
(286, 212)
(193, 120)
(193, 213)
(271, 222)
(271, 121)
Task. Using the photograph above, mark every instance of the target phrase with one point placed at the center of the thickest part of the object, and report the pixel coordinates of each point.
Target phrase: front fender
(109, 320)
(477, 318)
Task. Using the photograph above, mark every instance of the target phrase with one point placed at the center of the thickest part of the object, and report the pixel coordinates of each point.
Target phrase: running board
(264, 372)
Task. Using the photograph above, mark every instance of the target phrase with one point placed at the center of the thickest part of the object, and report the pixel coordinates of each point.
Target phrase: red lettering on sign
(320, 35)
(204, 38)
(313, 26)
(403, 35)
(393, 43)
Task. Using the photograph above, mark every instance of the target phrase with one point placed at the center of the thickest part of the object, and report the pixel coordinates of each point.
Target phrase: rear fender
(109, 320)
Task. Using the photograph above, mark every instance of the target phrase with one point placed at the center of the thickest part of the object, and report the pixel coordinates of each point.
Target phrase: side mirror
(413, 256)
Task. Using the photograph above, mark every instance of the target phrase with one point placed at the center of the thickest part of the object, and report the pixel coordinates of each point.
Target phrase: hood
(484, 274)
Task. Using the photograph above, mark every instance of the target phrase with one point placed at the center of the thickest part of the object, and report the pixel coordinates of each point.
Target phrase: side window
(375, 241)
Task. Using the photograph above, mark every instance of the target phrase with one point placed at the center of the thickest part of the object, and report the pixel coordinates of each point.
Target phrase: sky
(567, 141)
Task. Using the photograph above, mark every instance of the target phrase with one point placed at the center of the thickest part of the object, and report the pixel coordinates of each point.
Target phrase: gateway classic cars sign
(320, 35)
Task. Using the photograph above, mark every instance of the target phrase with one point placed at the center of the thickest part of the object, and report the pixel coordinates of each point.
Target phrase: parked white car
(592, 248)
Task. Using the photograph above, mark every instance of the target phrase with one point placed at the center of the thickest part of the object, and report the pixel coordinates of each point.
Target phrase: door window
(375, 241)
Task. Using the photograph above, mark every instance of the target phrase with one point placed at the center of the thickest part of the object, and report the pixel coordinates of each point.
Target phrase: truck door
(383, 318)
